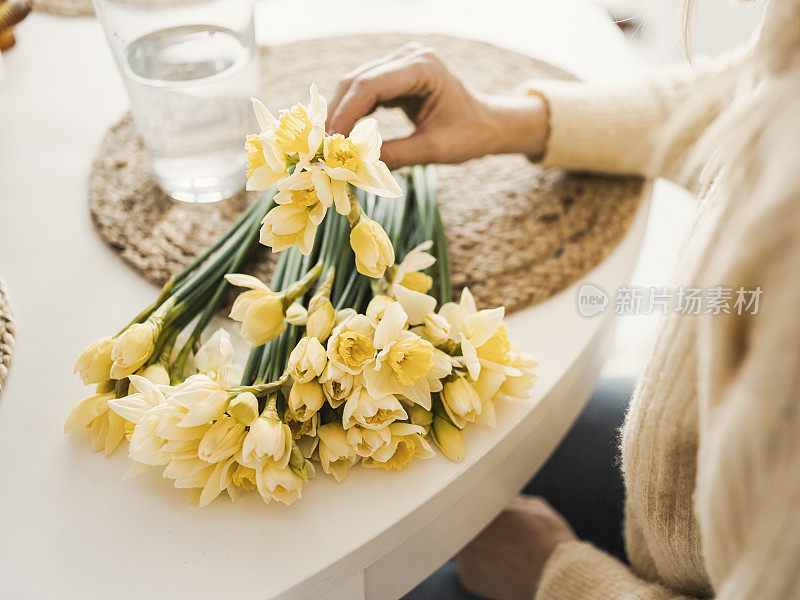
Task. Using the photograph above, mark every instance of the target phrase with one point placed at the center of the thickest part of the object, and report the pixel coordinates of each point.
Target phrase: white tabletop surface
(69, 527)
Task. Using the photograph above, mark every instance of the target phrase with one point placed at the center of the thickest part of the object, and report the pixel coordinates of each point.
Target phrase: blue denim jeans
(582, 481)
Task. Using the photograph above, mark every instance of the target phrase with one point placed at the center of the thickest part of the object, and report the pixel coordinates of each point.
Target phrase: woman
(711, 443)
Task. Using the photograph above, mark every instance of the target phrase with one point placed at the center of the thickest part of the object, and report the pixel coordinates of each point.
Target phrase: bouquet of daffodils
(357, 357)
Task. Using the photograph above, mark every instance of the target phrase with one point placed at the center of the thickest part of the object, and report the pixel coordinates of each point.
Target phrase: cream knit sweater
(711, 443)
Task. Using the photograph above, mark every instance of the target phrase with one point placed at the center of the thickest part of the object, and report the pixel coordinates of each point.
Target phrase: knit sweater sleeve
(642, 127)
(579, 571)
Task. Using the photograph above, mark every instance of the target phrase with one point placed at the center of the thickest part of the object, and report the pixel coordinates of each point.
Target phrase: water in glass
(190, 87)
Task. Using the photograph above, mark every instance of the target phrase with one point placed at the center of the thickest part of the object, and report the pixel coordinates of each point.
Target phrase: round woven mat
(6, 333)
(516, 233)
(65, 8)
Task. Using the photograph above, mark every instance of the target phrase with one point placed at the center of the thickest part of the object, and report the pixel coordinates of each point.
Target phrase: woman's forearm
(520, 124)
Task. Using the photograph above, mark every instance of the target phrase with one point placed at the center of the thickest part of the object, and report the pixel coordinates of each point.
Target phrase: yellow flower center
(244, 477)
(255, 154)
(380, 417)
(292, 132)
(304, 198)
(401, 457)
(342, 152)
(410, 359)
(355, 349)
(497, 348)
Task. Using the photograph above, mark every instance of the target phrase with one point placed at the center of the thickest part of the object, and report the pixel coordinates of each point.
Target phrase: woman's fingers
(365, 92)
(417, 149)
(347, 80)
(408, 75)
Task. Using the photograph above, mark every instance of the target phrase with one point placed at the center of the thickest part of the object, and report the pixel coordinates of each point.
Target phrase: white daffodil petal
(393, 322)
(415, 304)
(215, 353)
(376, 178)
(482, 325)
(470, 358)
(265, 118)
(367, 139)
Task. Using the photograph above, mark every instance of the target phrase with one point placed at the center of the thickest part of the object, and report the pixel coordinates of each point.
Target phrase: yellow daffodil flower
(407, 441)
(133, 347)
(203, 399)
(356, 160)
(259, 310)
(222, 440)
(268, 440)
(350, 346)
(321, 320)
(335, 453)
(307, 360)
(403, 361)
(94, 363)
(461, 401)
(106, 428)
(294, 138)
(338, 384)
(278, 483)
(305, 400)
(371, 413)
(372, 247)
(472, 328)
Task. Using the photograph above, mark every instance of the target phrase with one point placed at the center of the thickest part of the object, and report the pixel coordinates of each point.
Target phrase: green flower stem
(248, 241)
(355, 206)
(166, 290)
(253, 360)
(216, 266)
(442, 259)
(263, 389)
(268, 350)
(243, 219)
(301, 287)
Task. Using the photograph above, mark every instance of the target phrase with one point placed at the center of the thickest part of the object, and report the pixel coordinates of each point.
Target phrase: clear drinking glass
(190, 67)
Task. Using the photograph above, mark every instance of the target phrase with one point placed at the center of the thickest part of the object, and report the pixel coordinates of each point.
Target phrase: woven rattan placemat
(65, 8)
(516, 233)
(7, 333)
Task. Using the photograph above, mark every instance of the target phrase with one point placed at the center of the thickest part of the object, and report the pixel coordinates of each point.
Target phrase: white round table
(69, 527)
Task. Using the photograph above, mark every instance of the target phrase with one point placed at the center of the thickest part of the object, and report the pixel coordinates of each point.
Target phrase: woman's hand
(506, 560)
(452, 123)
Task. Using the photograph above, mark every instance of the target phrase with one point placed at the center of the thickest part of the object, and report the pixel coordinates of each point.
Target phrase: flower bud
(320, 321)
(461, 401)
(307, 360)
(436, 328)
(94, 363)
(296, 314)
(449, 439)
(133, 347)
(244, 408)
(261, 315)
(372, 247)
(419, 415)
